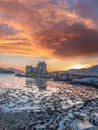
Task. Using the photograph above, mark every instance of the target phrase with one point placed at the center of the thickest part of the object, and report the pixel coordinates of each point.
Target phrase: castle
(40, 69)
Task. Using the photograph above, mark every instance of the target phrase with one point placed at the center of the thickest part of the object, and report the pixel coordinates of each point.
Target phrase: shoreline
(73, 118)
(91, 81)
(55, 105)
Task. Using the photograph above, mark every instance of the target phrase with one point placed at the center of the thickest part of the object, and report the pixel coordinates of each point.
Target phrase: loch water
(21, 93)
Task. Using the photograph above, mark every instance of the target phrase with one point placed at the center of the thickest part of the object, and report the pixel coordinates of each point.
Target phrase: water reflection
(20, 93)
(40, 83)
(30, 82)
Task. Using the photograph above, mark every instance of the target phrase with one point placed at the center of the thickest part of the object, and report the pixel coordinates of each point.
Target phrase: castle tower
(42, 67)
(28, 69)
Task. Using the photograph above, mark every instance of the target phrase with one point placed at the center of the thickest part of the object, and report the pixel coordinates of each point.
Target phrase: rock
(76, 114)
(85, 126)
(64, 121)
(51, 120)
(70, 115)
(68, 123)
(75, 109)
(27, 128)
(74, 126)
(53, 126)
(33, 128)
(94, 119)
(92, 128)
(61, 128)
(32, 124)
(80, 106)
(70, 102)
(19, 128)
(83, 116)
(96, 128)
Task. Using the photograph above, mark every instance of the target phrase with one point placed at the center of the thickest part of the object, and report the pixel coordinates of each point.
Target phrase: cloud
(87, 8)
(6, 30)
(48, 27)
(71, 41)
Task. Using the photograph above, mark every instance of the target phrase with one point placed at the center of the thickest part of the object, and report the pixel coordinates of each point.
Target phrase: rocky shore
(86, 81)
(30, 104)
(78, 117)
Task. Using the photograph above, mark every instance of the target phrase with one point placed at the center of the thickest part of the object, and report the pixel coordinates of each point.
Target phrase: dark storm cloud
(87, 8)
(71, 41)
(58, 28)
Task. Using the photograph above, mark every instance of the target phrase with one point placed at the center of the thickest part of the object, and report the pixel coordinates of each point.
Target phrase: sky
(64, 33)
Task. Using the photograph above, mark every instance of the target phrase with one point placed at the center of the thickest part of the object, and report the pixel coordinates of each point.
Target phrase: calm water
(20, 93)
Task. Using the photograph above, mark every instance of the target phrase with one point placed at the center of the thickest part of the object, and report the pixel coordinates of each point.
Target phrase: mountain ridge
(90, 70)
(10, 70)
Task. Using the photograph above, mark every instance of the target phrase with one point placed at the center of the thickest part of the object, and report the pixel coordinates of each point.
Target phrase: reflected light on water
(20, 93)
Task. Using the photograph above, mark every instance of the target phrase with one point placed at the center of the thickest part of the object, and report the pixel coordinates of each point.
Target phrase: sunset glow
(77, 67)
(63, 33)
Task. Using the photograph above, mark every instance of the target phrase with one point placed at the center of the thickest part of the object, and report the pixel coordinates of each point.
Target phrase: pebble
(75, 118)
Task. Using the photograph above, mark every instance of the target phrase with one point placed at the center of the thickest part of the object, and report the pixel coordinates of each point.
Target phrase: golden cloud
(45, 27)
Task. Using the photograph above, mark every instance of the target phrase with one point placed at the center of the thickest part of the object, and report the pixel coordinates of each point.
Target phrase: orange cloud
(46, 27)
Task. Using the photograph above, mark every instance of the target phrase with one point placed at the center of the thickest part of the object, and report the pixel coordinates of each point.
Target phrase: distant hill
(93, 69)
(85, 71)
(15, 70)
(75, 71)
(10, 70)
(2, 70)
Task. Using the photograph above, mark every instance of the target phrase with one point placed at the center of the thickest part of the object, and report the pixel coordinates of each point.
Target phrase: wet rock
(19, 128)
(70, 102)
(53, 117)
(64, 121)
(31, 124)
(96, 128)
(27, 128)
(53, 126)
(76, 114)
(94, 119)
(85, 126)
(95, 122)
(70, 115)
(61, 128)
(80, 106)
(83, 116)
(33, 128)
(41, 128)
(92, 128)
(75, 109)
(73, 126)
